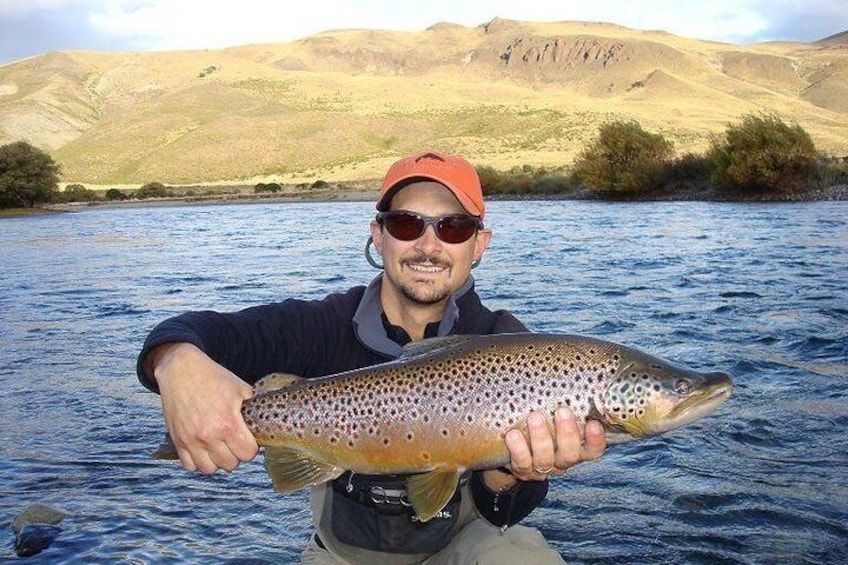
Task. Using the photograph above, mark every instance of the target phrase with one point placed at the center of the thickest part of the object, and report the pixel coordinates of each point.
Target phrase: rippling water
(759, 290)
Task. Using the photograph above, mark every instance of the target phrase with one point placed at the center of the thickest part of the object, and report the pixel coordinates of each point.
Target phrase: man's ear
(483, 238)
(377, 236)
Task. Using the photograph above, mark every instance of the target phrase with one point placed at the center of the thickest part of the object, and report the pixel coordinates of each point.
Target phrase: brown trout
(444, 406)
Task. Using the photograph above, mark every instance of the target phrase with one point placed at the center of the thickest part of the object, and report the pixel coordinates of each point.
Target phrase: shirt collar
(368, 323)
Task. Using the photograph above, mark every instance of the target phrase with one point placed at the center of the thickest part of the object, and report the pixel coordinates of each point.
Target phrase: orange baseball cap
(457, 174)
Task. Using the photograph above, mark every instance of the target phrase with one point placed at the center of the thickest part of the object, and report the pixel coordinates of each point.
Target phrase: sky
(31, 27)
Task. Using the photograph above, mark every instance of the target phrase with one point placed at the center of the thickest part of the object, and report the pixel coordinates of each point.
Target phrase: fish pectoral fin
(430, 492)
(274, 381)
(615, 432)
(291, 469)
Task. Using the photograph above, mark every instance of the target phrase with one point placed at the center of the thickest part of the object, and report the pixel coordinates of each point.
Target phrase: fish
(445, 405)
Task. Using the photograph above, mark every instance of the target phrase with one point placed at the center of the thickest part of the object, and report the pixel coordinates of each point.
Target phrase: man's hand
(548, 453)
(201, 403)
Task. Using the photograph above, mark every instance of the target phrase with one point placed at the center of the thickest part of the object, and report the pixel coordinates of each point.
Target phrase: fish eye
(683, 386)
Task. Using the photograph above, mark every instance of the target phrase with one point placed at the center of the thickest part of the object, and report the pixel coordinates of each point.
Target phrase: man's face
(426, 271)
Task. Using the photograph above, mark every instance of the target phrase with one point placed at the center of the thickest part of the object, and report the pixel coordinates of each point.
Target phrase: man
(429, 232)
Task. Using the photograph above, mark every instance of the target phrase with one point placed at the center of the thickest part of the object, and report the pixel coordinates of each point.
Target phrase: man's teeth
(426, 268)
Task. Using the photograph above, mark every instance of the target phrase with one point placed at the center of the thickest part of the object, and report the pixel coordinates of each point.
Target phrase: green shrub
(623, 158)
(272, 187)
(77, 193)
(319, 184)
(28, 176)
(831, 171)
(762, 153)
(115, 194)
(525, 180)
(152, 190)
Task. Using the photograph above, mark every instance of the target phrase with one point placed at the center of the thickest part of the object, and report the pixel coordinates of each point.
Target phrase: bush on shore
(763, 154)
(623, 158)
(153, 190)
(28, 176)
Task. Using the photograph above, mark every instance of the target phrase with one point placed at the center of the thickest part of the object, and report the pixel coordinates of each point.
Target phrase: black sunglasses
(408, 226)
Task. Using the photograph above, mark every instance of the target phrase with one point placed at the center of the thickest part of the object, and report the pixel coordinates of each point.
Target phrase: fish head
(649, 396)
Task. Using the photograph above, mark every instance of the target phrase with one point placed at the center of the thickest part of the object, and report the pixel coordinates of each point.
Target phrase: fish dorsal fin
(430, 492)
(291, 469)
(274, 381)
(433, 345)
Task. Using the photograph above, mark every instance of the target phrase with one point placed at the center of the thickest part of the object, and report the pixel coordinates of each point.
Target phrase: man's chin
(421, 294)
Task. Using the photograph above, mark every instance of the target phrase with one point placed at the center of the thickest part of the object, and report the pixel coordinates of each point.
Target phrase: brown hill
(341, 105)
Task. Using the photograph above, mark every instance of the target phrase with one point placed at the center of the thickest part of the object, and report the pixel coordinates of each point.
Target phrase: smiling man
(429, 231)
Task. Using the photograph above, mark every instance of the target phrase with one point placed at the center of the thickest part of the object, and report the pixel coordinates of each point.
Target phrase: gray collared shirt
(368, 324)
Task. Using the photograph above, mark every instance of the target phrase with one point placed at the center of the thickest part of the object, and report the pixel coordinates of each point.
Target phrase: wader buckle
(380, 495)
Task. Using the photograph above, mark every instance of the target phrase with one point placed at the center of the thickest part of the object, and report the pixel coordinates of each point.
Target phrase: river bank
(834, 193)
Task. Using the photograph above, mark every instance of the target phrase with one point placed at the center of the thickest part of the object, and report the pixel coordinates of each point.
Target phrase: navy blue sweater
(339, 333)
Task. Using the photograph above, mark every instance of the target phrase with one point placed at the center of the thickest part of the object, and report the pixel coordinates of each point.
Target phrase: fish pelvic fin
(274, 381)
(291, 469)
(430, 492)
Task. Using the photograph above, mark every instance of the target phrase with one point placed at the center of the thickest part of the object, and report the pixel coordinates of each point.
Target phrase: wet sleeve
(507, 323)
(251, 343)
(507, 507)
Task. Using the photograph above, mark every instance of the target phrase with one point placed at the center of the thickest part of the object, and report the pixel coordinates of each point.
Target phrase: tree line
(758, 155)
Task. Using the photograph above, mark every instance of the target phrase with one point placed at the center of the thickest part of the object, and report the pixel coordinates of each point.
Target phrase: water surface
(758, 290)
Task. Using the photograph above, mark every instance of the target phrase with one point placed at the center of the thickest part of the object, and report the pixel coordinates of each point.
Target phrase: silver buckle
(380, 495)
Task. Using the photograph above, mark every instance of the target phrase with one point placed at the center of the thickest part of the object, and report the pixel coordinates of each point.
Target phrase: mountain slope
(341, 105)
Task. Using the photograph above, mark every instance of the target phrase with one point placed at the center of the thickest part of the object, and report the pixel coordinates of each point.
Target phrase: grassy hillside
(342, 105)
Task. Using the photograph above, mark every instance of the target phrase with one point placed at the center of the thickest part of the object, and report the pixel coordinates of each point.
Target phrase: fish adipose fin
(430, 492)
(291, 469)
(274, 381)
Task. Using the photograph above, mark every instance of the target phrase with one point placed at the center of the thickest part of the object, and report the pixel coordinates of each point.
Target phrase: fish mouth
(699, 405)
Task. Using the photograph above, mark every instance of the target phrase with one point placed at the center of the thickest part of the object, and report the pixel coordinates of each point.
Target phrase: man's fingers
(541, 444)
(568, 439)
(596, 441)
(521, 460)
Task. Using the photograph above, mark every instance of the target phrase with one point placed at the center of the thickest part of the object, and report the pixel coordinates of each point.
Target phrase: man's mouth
(425, 268)
(426, 265)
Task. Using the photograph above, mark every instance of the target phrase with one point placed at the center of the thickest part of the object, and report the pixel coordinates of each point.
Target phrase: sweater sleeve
(507, 507)
(250, 343)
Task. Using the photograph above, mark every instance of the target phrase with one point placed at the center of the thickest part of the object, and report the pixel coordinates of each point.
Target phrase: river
(760, 290)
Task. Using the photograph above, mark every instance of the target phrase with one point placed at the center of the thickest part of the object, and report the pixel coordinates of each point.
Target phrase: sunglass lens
(455, 229)
(404, 227)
